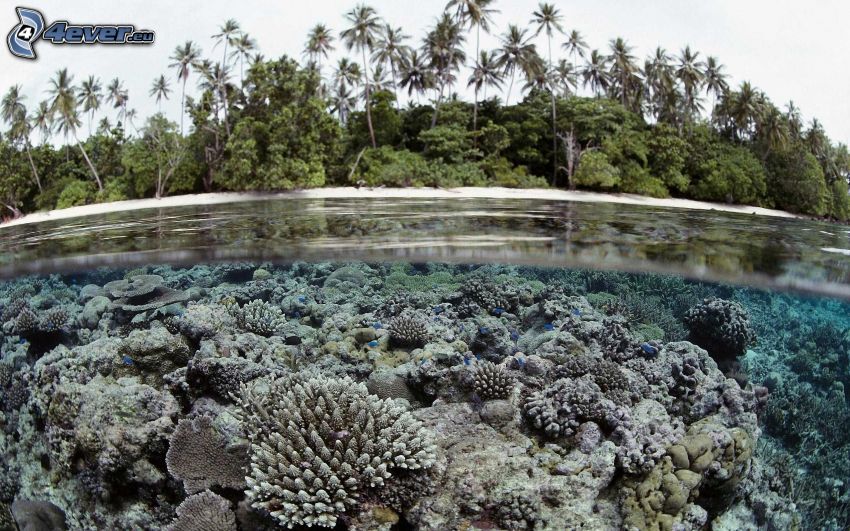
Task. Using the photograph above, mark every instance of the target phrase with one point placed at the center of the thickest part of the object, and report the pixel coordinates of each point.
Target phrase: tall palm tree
(575, 46)
(342, 102)
(184, 57)
(690, 74)
(714, 79)
(242, 45)
(485, 74)
(659, 81)
(160, 89)
(64, 108)
(118, 96)
(90, 97)
(772, 128)
(319, 45)
(517, 52)
(226, 33)
(42, 119)
(361, 35)
(624, 74)
(443, 46)
(548, 18)
(595, 73)
(390, 49)
(14, 112)
(415, 74)
(347, 74)
(475, 14)
(795, 120)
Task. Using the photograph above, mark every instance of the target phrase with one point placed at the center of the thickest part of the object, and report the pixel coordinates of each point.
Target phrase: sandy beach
(350, 192)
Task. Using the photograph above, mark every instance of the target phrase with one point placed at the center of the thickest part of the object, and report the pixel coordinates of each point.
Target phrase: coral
(721, 327)
(205, 511)
(13, 309)
(408, 330)
(560, 408)
(492, 381)
(155, 351)
(642, 443)
(318, 444)
(199, 456)
(259, 317)
(518, 512)
(487, 295)
(142, 293)
(26, 323)
(54, 320)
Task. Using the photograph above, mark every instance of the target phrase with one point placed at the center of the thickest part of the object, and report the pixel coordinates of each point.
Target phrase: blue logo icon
(31, 27)
(23, 36)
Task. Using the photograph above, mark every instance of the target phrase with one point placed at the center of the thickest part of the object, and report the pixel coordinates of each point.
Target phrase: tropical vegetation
(389, 112)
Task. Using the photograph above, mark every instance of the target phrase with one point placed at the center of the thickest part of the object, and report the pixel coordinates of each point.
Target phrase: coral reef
(492, 381)
(205, 511)
(199, 456)
(408, 330)
(721, 327)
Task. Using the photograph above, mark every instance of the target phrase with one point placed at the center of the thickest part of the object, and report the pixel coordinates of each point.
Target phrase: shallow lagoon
(419, 389)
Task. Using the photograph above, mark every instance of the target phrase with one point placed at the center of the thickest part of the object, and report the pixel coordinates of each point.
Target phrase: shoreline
(217, 198)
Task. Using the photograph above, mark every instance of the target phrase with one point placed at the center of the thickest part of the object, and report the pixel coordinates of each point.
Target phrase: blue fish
(520, 361)
(648, 349)
(514, 335)
(23, 341)
(377, 326)
(577, 312)
(438, 309)
(549, 327)
(302, 298)
(483, 330)
(372, 343)
(467, 360)
(127, 360)
(498, 311)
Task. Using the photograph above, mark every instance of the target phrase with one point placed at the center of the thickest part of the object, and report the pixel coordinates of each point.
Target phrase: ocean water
(425, 365)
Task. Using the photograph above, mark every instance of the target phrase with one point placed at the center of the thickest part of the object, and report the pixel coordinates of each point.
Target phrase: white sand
(424, 193)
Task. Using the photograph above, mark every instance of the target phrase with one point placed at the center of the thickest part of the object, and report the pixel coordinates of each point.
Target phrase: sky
(791, 50)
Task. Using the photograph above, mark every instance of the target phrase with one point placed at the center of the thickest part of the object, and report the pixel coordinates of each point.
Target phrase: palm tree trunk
(183, 106)
(475, 116)
(395, 87)
(511, 85)
(368, 102)
(554, 116)
(91, 166)
(32, 165)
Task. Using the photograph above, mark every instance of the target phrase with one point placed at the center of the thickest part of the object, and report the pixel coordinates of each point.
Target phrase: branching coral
(258, 317)
(492, 381)
(318, 444)
(721, 327)
(408, 330)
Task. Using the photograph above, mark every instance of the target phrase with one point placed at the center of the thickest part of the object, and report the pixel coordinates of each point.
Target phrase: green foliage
(729, 174)
(385, 166)
(385, 119)
(76, 193)
(668, 153)
(797, 182)
(594, 171)
(839, 207)
(447, 143)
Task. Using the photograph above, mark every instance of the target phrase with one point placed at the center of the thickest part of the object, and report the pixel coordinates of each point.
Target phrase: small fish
(438, 309)
(549, 327)
(372, 343)
(483, 330)
(302, 298)
(577, 312)
(297, 315)
(126, 360)
(23, 341)
(514, 335)
(377, 326)
(520, 361)
(467, 360)
(648, 349)
(498, 311)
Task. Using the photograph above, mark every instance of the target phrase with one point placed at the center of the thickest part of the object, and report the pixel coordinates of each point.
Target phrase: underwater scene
(418, 396)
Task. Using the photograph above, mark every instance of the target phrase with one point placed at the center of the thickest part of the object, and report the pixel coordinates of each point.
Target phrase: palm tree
(90, 97)
(361, 35)
(624, 74)
(516, 52)
(474, 13)
(319, 45)
(443, 46)
(714, 79)
(659, 80)
(415, 74)
(566, 76)
(243, 45)
(690, 73)
(42, 119)
(64, 108)
(14, 112)
(575, 46)
(226, 34)
(390, 49)
(343, 102)
(160, 90)
(118, 96)
(795, 120)
(773, 129)
(347, 74)
(184, 57)
(595, 73)
(548, 19)
(486, 73)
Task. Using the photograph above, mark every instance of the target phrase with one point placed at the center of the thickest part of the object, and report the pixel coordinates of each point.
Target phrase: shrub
(76, 193)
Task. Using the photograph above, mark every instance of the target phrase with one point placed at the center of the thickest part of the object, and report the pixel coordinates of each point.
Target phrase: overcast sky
(792, 50)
